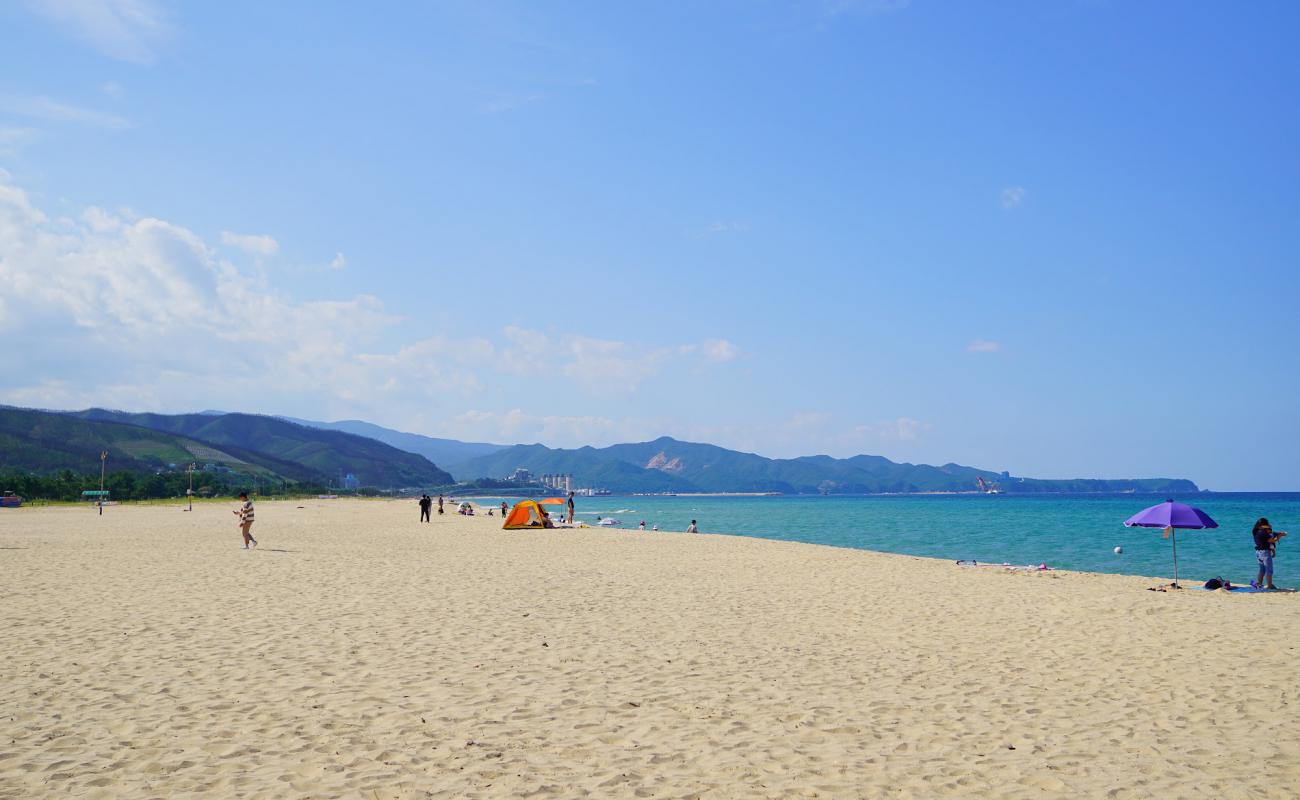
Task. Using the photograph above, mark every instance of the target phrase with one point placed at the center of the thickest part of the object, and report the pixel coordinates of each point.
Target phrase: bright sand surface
(358, 653)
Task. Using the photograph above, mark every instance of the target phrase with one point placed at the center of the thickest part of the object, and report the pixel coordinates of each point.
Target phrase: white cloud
(719, 350)
(983, 346)
(339, 262)
(1013, 196)
(169, 324)
(257, 244)
(113, 89)
(153, 306)
(50, 110)
(127, 30)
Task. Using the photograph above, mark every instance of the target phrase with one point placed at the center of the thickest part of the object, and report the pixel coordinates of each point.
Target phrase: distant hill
(669, 465)
(326, 454)
(589, 466)
(46, 442)
(444, 452)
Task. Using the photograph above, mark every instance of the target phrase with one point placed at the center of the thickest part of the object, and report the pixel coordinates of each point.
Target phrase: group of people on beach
(1265, 537)
(426, 504)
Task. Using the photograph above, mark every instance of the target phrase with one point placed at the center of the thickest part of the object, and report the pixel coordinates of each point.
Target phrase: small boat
(10, 500)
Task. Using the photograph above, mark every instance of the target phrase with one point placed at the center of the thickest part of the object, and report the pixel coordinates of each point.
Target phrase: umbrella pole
(1173, 537)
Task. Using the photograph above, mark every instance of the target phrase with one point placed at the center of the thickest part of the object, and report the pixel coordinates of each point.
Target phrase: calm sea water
(1077, 532)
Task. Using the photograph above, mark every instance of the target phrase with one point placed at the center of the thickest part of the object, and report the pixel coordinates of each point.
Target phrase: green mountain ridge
(48, 442)
(668, 465)
(322, 455)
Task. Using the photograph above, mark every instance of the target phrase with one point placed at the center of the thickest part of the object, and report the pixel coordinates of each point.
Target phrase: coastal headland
(359, 653)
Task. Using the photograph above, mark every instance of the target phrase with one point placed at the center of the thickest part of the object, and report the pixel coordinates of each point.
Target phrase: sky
(1055, 237)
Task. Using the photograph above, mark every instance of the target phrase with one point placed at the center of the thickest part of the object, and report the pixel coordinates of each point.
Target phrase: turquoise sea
(1076, 532)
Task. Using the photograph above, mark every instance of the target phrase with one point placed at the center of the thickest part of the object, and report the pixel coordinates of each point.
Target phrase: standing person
(439, 504)
(641, 527)
(569, 519)
(1265, 549)
(692, 528)
(425, 504)
(245, 514)
(504, 508)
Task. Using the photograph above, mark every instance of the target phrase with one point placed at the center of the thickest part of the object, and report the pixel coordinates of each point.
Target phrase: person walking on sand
(504, 508)
(569, 518)
(439, 504)
(1265, 549)
(425, 504)
(692, 528)
(245, 514)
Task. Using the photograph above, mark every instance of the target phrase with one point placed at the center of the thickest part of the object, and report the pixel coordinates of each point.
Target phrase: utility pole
(190, 491)
(103, 460)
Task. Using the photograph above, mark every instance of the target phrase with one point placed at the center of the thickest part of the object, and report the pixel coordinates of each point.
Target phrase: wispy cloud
(127, 30)
(721, 227)
(113, 89)
(340, 261)
(13, 137)
(1013, 196)
(713, 351)
(50, 110)
(503, 103)
(902, 429)
(983, 346)
(257, 244)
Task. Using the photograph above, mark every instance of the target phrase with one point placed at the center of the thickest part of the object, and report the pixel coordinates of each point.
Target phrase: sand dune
(360, 654)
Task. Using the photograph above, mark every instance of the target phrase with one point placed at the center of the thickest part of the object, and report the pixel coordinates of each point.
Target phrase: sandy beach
(358, 653)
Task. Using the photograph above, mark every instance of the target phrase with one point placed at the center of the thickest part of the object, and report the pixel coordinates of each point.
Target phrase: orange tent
(528, 514)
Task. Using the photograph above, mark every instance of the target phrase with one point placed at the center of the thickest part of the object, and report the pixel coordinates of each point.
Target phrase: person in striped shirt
(245, 514)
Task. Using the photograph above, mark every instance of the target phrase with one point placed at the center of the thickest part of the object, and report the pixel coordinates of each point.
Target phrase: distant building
(521, 475)
(561, 483)
(350, 481)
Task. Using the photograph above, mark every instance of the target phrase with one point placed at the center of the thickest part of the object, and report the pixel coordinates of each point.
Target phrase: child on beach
(692, 528)
(245, 514)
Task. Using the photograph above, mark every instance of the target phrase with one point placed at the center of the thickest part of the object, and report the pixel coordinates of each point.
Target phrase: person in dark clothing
(570, 505)
(439, 504)
(425, 504)
(1265, 549)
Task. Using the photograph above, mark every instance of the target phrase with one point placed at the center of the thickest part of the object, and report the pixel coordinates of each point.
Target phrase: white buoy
(1118, 550)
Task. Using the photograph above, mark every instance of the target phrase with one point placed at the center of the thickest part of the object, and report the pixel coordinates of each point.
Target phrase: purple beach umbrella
(1172, 516)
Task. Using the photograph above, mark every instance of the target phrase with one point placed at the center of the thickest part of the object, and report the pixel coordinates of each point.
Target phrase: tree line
(127, 485)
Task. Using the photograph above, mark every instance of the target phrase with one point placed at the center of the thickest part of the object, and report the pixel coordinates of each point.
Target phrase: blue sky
(1058, 238)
